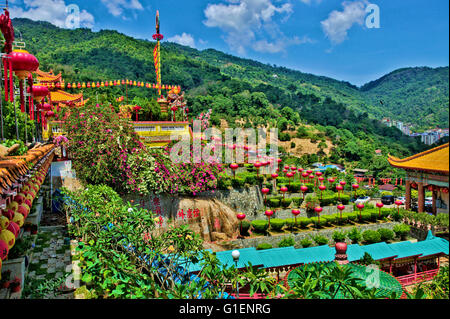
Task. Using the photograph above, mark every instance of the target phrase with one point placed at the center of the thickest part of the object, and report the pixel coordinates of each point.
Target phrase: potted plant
(15, 285)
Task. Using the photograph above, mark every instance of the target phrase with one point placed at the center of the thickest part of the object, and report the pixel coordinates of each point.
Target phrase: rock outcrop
(216, 221)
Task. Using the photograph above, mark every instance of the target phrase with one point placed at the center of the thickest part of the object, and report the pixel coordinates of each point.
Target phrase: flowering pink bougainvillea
(106, 150)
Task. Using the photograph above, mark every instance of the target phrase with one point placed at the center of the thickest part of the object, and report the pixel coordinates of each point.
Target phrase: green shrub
(305, 242)
(396, 215)
(273, 202)
(304, 221)
(251, 179)
(442, 219)
(345, 199)
(237, 182)
(328, 200)
(223, 183)
(264, 246)
(384, 213)
(320, 240)
(259, 179)
(373, 215)
(295, 187)
(365, 216)
(354, 235)
(402, 230)
(289, 223)
(276, 224)
(371, 236)
(331, 219)
(297, 201)
(260, 226)
(343, 220)
(245, 227)
(386, 234)
(286, 242)
(339, 236)
(315, 221)
(250, 168)
(351, 216)
(286, 202)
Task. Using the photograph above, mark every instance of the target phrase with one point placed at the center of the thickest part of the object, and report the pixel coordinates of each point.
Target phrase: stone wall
(298, 237)
(248, 201)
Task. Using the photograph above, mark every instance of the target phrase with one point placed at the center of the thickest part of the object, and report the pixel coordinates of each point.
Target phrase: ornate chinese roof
(60, 96)
(433, 160)
(48, 77)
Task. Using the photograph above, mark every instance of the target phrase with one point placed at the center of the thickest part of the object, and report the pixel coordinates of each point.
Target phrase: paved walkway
(50, 265)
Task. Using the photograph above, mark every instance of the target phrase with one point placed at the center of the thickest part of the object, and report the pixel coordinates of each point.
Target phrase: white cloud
(338, 23)
(53, 11)
(308, 2)
(247, 23)
(183, 39)
(117, 7)
(279, 45)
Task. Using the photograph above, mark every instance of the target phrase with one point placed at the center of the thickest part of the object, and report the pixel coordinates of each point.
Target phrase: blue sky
(323, 37)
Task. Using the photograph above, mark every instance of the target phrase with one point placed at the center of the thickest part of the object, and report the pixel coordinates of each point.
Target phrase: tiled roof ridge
(398, 160)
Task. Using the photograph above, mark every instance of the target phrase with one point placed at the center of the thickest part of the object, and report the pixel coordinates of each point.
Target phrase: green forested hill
(414, 95)
(84, 55)
(235, 89)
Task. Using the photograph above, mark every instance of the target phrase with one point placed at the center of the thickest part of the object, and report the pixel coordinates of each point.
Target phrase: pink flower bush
(106, 150)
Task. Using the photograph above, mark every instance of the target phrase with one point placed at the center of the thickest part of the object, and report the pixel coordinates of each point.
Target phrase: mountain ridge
(216, 64)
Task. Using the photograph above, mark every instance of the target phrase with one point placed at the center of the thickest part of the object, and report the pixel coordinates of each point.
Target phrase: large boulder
(216, 221)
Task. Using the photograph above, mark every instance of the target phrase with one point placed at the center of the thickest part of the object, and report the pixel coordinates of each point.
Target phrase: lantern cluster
(13, 217)
(101, 84)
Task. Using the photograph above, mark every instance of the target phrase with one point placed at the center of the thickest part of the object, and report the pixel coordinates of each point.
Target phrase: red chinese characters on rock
(191, 213)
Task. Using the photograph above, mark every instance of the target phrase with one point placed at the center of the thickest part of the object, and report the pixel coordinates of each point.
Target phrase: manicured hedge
(386, 234)
(264, 246)
(273, 202)
(286, 202)
(276, 224)
(371, 236)
(365, 216)
(237, 182)
(245, 227)
(402, 231)
(304, 221)
(260, 226)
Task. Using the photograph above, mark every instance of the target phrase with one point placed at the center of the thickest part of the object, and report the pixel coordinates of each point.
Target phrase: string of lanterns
(83, 85)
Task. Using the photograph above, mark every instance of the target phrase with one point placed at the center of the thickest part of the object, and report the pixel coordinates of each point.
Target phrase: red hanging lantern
(241, 217)
(340, 207)
(283, 189)
(268, 213)
(380, 206)
(22, 64)
(322, 188)
(360, 206)
(265, 191)
(295, 212)
(318, 210)
(234, 167)
(257, 165)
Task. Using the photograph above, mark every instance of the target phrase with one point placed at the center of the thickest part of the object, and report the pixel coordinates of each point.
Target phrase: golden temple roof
(60, 96)
(433, 160)
(47, 77)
